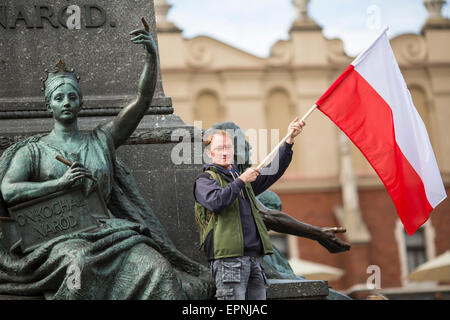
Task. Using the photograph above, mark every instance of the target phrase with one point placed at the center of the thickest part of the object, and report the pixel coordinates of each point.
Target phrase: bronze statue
(128, 256)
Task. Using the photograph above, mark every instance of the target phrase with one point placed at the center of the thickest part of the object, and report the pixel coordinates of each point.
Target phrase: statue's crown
(60, 70)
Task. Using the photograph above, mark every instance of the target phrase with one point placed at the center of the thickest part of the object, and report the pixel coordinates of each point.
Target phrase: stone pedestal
(167, 186)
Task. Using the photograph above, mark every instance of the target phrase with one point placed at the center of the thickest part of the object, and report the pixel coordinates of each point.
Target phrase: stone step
(11, 297)
(278, 289)
(288, 289)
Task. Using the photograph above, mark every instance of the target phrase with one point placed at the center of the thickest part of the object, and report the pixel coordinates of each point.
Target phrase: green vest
(221, 234)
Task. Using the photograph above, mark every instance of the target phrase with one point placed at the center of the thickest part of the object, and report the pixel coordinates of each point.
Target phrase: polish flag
(371, 104)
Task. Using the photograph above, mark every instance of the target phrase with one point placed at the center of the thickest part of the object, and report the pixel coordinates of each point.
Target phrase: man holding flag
(235, 238)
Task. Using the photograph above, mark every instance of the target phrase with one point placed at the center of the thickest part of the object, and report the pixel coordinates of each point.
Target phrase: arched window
(279, 113)
(207, 109)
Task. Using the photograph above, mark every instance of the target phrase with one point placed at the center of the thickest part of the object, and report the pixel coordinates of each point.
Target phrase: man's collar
(222, 169)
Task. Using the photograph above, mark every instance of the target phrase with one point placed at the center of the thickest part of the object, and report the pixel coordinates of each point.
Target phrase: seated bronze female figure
(130, 256)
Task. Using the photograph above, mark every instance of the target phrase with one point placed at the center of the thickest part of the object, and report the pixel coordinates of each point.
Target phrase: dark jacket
(209, 193)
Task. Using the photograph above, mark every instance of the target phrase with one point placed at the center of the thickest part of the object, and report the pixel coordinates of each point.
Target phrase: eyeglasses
(224, 148)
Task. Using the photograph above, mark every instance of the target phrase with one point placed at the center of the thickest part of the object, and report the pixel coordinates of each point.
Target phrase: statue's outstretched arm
(281, 222)
(129, 117)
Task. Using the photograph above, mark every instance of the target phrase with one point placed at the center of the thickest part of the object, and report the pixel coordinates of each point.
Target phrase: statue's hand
(144, 37)
(331, 242)
(74, 173)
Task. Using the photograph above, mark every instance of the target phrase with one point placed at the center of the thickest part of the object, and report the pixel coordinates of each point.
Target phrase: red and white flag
(371, 104)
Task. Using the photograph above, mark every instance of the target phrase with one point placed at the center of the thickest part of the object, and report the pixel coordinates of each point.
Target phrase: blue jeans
(239, 278)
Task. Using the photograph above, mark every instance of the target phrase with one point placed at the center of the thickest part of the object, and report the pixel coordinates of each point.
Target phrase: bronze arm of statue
(281, 222)
(129, 117)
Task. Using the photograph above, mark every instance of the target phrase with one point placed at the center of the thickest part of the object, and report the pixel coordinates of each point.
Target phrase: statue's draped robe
(130, 257)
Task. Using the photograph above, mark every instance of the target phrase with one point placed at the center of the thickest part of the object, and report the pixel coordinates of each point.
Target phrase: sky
(255, 25)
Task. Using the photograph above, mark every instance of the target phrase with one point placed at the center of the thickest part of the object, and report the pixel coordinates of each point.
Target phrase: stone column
(349, 215)
(162, 8)
(303, 20)
(436, 32)
(434, 8)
